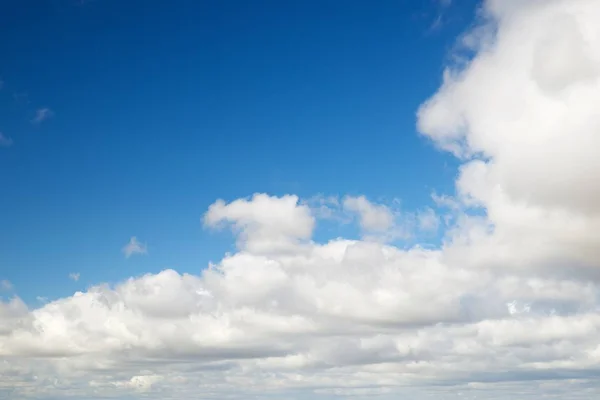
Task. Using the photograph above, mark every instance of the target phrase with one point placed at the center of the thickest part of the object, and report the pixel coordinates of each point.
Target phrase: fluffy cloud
(507, 307)
(265, 224)
(341, 318)
(134, 246)
(521, 115)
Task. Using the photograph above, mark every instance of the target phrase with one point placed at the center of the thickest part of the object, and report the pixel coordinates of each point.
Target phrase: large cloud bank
(507, 307)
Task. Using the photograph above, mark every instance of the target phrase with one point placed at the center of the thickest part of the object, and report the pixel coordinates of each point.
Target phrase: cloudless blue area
(161, 107)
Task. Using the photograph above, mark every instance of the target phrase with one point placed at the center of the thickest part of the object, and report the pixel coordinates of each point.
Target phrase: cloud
(5, 285)
(134, 246)
(309, 320)
(265, 223)
(440, 19)
(507, 307)
(372, 217)
(21, 97)
(41, 115)
(75, 275)
(378, 222)
(428, 220)
(5, 141)
(520, 116)
(327, 208)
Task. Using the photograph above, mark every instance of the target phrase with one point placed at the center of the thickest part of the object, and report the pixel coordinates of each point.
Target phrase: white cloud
(379, 222)
(41, 115)
(507, 308)
(265, 223)
(75, 275)
(372, 217)
(134, 246)
(327, 208)
(522, 116)
(5, 141)
(343, 318)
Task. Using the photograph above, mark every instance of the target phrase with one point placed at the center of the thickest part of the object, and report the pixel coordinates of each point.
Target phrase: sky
(299, 200)
(148, 114)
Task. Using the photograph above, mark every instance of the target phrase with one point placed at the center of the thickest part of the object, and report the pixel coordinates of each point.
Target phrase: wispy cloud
(5, 141)
(134, 247)
(42, 115)
(428, 220)
(74, 276)
(21, 97)
(440, 20)
(5, 285)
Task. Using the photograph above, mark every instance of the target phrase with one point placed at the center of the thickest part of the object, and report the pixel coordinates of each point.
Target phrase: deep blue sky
(161, 107)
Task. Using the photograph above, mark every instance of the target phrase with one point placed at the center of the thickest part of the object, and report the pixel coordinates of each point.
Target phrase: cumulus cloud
(343, 318)
(134, 246)
(264, 223)
(41, 115)
(507, 307)
(521, 116)
(5, 141)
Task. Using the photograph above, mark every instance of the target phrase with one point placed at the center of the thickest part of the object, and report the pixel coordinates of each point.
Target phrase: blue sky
(157, 110)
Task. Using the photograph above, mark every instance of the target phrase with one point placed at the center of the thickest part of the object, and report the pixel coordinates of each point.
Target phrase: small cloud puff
(134, 246)
(42, 115)
(74, 276)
